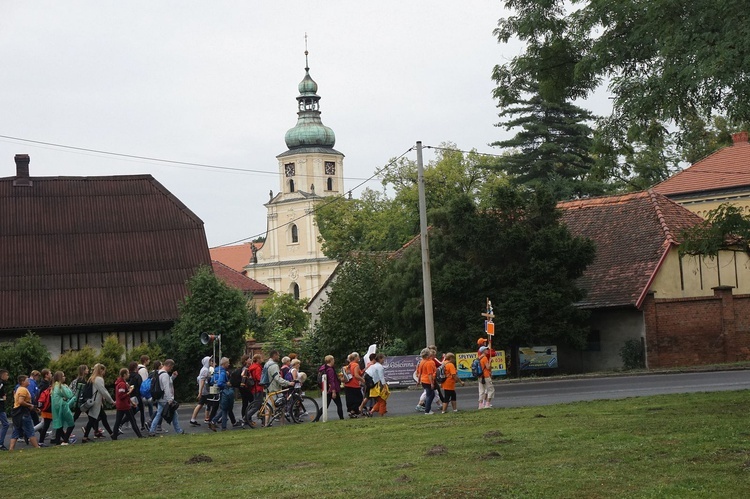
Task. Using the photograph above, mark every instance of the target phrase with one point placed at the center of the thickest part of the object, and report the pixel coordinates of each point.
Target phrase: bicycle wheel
(266, 414)
(304, 409)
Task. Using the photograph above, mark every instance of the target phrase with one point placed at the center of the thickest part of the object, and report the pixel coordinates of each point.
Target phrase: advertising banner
(537, 357)
(464, 360)
(399, 371)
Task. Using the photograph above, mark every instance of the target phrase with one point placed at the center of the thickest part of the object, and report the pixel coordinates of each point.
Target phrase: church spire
(309, 131)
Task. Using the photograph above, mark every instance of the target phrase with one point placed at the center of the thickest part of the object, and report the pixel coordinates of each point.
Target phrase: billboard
(464, 360)
(537, 357)
(399, 370)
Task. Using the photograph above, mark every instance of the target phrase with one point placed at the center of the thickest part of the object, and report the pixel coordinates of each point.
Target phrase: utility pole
(429, 323)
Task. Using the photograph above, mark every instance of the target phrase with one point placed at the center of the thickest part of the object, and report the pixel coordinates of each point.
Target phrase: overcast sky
(215, 83)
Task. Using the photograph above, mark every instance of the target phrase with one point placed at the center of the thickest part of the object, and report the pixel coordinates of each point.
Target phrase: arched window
(295, 235)
(295, 291)
(291, 185)
(330, 184)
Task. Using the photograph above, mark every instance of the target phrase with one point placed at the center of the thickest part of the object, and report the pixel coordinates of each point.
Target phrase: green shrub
(633, 355)
(23, 355)
(69, 362)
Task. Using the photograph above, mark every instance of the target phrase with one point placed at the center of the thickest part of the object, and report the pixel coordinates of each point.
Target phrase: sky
(215, 83)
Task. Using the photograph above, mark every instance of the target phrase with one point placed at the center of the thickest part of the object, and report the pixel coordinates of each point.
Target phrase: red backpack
(44, 402)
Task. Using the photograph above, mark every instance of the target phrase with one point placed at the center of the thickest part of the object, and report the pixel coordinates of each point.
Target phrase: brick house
(684, 310)
(85, 257)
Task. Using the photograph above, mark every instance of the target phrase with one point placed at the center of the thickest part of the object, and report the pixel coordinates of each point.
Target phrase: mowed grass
(692, 445)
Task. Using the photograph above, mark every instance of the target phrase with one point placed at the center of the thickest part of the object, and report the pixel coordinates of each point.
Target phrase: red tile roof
(632, 233)
(84, 251)
(235, 257)
(238, 280)
(725, 169)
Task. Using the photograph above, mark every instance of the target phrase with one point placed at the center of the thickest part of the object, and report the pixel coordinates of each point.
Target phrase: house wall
(614, 328)
(694, 331)
(702, 204)
(60, 342)
(696, 276)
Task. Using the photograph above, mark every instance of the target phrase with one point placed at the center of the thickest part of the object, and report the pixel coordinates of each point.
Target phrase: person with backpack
(272, 378)
(134, 380)
(3, 416)
(123, 403)
(99, 395)
(353, 387)
(77, 387)
(377, 373)
(246, 384)
(486, 390)
(147, 401)
(62, 417)
(226, 399)
(449, 374)
(426, 371)
(284, 368)
(44, 403)
(204, 377)
(255, 372)
(334, 385)
(162, 391)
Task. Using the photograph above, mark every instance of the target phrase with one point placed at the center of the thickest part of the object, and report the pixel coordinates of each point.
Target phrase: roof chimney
(740, 137)
(22, 170)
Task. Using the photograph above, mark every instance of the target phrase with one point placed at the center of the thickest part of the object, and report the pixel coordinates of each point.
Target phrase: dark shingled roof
(632, 233)
(87, 251)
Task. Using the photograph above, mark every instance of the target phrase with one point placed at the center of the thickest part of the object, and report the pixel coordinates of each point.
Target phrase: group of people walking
(44, 401)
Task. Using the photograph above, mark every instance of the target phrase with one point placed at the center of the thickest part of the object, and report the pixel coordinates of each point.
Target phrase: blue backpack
(264, 380)
(476, 368)
(146, 388)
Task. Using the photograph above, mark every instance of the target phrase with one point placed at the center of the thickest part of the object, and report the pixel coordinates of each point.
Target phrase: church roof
(633, 233)
(238, 280)
(309, 132)
(93, 251)
(727, 168)
(236, 256)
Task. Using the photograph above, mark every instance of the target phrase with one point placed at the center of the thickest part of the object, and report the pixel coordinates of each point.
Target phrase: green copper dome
(309, 130)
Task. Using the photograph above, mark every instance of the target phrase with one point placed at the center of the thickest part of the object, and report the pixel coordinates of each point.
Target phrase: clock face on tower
(330, 168)
(289, 169)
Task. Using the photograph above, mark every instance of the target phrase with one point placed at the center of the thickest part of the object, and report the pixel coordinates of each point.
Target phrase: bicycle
(296, 408)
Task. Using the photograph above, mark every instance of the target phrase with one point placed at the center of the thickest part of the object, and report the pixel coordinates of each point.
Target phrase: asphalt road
(525, 393)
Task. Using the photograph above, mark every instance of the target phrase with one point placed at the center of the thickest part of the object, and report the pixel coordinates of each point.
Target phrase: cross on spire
(307, 66)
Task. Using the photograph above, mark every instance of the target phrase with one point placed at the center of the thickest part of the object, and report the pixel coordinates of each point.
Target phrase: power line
(330, 200)
(169, 162)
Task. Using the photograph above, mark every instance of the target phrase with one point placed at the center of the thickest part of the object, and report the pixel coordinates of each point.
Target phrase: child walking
(449, 385)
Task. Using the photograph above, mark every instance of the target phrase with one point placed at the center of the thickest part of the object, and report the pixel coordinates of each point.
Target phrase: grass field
(695, 445)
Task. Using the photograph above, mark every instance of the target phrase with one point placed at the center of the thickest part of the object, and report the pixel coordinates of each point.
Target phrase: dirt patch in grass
(540, 416)
(199, 458)
(436, 450)
(403, 479)
(491, 454)
(502, 441)
(493, 433)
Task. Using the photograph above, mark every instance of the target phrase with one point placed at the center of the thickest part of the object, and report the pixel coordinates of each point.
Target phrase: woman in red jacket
(123, 404)
(254, 371)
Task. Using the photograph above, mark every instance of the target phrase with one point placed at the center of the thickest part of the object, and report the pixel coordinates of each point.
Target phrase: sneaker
(237, 424)
(212, 426)
(455, 410)
(2, 448)
(64, 443)
(419, 408)
(152, 434)
(429, 413)
(194, 423)
(72, 439)
(159, 429)
(120, 432)
(41, 444)
(181, 432)
(442, 412)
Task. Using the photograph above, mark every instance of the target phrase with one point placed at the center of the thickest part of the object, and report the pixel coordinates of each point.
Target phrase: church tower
(291, 260)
